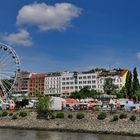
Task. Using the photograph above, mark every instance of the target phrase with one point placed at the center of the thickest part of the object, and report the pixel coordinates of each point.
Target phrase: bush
(53, 117)
(101, 116)
(115, 118)
(4, 113)
(11, 114)
(14, 117)
(133, 118)
(70, 116)
(119, 95)
(123, 116)
(80, 116)
(22, 113)
(60, 115)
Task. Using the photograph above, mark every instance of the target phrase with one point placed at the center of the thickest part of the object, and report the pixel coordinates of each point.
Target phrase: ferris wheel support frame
(15, 59)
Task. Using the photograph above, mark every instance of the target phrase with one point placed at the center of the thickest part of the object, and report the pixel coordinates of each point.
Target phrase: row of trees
(132, 87)
(84, 93)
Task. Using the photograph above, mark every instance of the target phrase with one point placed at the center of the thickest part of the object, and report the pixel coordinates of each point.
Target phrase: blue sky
(72, 34)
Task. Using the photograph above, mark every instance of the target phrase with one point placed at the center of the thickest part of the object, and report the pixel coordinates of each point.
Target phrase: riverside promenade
(88, 124)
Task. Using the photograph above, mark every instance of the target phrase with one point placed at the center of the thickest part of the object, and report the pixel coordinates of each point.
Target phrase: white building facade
(52, 85)
(67, 82)
(73, 81)
(87, 79)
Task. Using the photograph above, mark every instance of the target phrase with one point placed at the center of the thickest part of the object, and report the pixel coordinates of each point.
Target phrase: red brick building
(36, 83)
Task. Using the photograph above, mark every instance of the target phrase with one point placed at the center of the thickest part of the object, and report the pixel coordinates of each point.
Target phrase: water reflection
(7, 134)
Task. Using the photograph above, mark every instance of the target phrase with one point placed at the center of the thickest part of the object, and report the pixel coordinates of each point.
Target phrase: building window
(84, 77)
(63, 87)
(89, 77)
(84, 82)
(93, 81)
(80, 82)
(80, 77)
(67, 83)
(93, 76)
(94, 86)
(67, 78)
(71, 78)
(71, 83)
(63, 78)
(63, 83)
(89, 82)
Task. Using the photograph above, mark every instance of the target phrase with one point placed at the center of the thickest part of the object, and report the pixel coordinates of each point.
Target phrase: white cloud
(22, 38)
(138, 55)
(47, 17)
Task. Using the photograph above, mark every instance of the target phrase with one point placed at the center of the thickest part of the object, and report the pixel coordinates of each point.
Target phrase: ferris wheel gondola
(9, 69)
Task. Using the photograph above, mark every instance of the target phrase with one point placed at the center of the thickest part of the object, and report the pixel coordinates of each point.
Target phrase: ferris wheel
(9, 69)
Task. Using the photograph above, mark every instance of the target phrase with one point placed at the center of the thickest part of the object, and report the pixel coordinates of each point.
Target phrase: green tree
(94, 93)
(135, 81)
(43, 107)
(123, 92)
(137, 95)
(97, 70)
(84, 93)
(128, 84)
(109, 87)
(76, 95)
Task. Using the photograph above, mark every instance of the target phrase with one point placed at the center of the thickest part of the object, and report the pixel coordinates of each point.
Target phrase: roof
(53, 74)
(37, 75)
(123, 72)
(71, 101)
(106, 73)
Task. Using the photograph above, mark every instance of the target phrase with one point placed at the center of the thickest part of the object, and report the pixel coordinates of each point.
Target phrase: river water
(11, 134)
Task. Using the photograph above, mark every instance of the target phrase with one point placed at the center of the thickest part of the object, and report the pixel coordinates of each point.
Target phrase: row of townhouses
(64, 83)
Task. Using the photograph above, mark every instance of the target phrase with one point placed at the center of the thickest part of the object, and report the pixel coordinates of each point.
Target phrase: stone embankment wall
(89, 124)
